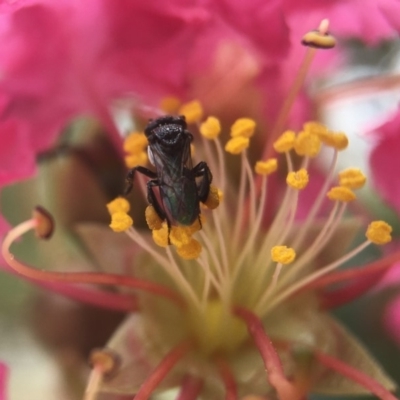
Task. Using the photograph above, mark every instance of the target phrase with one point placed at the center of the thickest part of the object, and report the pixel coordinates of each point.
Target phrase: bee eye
(150, 155)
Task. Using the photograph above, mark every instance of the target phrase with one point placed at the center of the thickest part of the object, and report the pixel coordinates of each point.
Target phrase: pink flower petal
(384, 161)
(392, 319)
(3, 381)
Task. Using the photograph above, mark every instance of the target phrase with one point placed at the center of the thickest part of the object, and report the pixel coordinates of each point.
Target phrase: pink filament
(191, 388)
(78, 277)
(272, 362)
(165, 366)
(355, 375)
(228, 379)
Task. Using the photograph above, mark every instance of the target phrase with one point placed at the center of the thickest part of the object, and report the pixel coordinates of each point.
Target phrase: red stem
(165, 366)
(191, 388)
(272, 362)
(228, 379)
(355, 375)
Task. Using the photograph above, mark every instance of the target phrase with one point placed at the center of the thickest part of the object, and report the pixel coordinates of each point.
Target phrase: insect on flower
(179, 194)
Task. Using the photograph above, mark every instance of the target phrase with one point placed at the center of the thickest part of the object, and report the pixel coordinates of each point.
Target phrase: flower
(208, 351)
(254, 281)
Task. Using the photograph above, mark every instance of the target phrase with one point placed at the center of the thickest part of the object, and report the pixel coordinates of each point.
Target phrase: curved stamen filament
(310, 278)
(355, 375)
(161, 371)
(254, 231)
(240, 203)
(95, 379)
(78, 277)
(317, 203)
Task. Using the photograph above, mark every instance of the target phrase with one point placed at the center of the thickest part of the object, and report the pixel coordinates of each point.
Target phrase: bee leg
(130, 176)
(201, 170)
(152, 199)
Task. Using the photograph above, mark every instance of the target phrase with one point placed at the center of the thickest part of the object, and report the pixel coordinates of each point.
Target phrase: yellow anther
(243, 127)
(196, 226)
(266, 167)
(379, 232)
(134, 160)
(339, 141)
(152, 218)
(307, 144)
(118, 205)
(318, 40)
(341, 193)
(210, 128)
(189, 251)
(180, 235)
(220, 195)
(285, 142)
(120, 221)
(315, 128)
(283, 254)
(297, 179)
(352, 178)
(212, 201)
(170, 105)
(160, 236)
(135, 142)
(193, 111)
(237, 145)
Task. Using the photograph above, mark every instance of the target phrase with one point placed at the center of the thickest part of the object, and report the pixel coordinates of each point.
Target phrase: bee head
(167, 130)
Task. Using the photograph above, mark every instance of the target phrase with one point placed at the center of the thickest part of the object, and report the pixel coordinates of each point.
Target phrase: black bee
(176, 188)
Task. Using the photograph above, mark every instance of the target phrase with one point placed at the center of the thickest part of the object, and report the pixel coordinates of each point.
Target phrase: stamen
(355, 375)
(272, 362)
(191, 388)
(44, 223)
(210, 128)
(352, 178)
(379, 232)
(170, 105)
(105, 363)
(228, 378)
(237, 145)
(297, 179)
(294, 91)
(341, 193)
(307, 144)
(77, 277)
(244, 127)
(161, 371)
(193, 111)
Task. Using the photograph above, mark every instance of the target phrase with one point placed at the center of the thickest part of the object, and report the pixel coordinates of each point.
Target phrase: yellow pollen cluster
(318, 40)
(266, 167)
(170, 105)
(243, 127)
(297, 179)
(237, 145)
(341, 193)
(135, 145)
(213, 198)
(337, 140)
(379, 232)
(315, 128)
(120, 220)
(193, 111)
(352, 178)
(210, 128)
(307, 144)
(285, 142)
(283, 254)
(152, 218)
(181, 237)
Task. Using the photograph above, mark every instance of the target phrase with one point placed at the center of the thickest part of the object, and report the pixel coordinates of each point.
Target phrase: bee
(175, 188)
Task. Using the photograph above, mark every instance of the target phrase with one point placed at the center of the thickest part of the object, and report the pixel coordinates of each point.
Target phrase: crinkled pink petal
(3, 381)
(391, 319)
(384, 161)
(16, 153)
